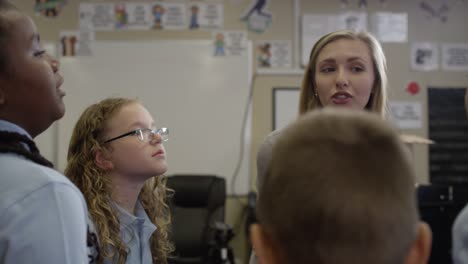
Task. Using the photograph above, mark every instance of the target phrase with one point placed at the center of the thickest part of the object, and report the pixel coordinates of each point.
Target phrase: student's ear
(420, 249)
(101, 158)
(265, 248)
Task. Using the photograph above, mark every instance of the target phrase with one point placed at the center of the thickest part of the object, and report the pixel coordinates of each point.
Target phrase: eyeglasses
(145, 134)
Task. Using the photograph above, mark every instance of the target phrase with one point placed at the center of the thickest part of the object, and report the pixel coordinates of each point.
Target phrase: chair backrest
(439, 205)
(197, 203)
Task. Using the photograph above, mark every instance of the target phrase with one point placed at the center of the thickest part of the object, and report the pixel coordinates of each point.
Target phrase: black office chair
(197, 204)
(439, 205)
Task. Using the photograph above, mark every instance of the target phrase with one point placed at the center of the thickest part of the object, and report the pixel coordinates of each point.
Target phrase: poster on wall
(391, 27)
(132, 16)
(438, 11)
(455, 57)
(169, 15)
(205, 15)
(85, 38)
(424, 56)
(69, 43)
(120, 16)
(229, 43)
(274, 54)
(192, 15)
(314, 27)
(75, 43)
(97, 16)
(356, 21)
(49, 8)
(256, 16)
(406, 114)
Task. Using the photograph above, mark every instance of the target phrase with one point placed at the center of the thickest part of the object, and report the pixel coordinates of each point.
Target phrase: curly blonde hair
(96, 187)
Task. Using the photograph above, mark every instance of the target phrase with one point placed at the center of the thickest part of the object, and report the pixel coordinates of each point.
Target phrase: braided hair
(12, 142)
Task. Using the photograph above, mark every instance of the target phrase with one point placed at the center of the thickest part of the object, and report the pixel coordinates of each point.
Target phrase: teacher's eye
(357, 69)
(327, 69)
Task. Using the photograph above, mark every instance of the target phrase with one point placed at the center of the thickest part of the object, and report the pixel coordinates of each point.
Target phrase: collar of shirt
(11, 127)
(140, 218)
(136, 231)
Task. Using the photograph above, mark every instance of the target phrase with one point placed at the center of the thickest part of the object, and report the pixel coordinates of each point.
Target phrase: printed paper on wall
(424, 56)
(406, 115)
(274, 54)
(391, 27)
(205, 15)
(455, 57)
(97, 16)
(229, 43)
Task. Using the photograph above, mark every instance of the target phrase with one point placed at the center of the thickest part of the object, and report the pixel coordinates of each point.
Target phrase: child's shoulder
(20, 177)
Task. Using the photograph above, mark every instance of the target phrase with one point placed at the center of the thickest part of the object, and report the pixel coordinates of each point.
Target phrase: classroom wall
(282, 28)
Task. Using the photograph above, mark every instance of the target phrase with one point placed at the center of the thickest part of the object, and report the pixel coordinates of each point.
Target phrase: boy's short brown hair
(340, 189)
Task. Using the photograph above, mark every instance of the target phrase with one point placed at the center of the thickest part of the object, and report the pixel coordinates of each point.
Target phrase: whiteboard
(285, 106)
(199, 97)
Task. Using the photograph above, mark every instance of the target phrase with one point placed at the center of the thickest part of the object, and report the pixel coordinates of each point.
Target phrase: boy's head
(30, 94)
(340, 189)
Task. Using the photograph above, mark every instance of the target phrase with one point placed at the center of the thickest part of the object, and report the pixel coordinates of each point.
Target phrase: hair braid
(12, 142)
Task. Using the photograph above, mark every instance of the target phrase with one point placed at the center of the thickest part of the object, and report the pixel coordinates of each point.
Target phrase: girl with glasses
(117, 159)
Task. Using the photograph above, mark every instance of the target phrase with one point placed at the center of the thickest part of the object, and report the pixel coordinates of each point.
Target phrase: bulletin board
(448, 123)
(201, 98)
(285, 103)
